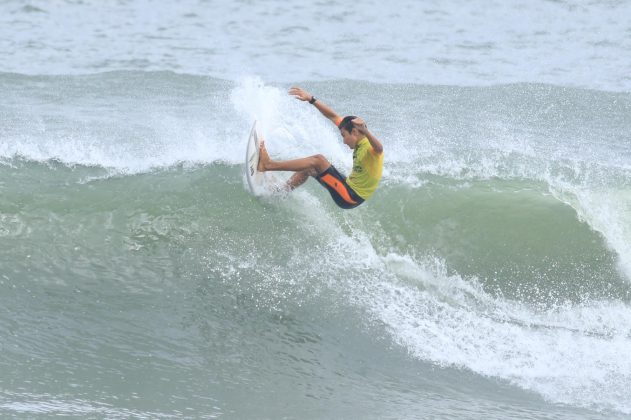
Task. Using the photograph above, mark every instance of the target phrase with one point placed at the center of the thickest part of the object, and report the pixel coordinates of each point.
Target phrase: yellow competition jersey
(367, 168)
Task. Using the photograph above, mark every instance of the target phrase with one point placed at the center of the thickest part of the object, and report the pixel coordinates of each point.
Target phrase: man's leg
(304, 167)
(297, 179)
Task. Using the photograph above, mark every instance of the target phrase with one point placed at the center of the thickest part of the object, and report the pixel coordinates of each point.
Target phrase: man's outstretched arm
(303, 95)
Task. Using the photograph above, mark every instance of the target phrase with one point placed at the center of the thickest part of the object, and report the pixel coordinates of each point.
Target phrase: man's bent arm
(361, 126)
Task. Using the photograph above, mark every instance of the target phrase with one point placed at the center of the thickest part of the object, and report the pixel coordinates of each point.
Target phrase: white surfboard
(260, 183)
(255, 179)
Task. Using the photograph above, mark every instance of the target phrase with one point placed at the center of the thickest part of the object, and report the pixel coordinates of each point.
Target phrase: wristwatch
(312, 100)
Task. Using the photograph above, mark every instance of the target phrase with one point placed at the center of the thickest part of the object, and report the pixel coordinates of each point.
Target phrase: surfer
(347, 192)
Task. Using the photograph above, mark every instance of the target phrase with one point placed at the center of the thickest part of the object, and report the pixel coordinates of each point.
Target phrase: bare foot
(263, 158)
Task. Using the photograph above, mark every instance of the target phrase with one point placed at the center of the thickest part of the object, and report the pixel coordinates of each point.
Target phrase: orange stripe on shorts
(335, 183)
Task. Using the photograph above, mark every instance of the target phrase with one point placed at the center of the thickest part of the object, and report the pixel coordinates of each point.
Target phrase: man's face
(348, 138)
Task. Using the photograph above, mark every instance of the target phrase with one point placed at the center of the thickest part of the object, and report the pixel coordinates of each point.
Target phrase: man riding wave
(347, 192)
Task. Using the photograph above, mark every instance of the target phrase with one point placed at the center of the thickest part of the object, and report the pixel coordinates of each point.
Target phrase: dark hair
(347, 123)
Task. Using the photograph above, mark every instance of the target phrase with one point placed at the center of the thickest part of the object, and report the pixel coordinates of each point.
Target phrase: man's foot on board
(263, 158)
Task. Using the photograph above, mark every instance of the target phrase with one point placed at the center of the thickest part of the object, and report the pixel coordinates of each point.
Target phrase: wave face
(139, 278)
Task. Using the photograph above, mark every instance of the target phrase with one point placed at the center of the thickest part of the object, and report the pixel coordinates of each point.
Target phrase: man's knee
(321, 163)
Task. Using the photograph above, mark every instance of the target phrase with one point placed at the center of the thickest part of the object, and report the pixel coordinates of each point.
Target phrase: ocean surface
(489, 277)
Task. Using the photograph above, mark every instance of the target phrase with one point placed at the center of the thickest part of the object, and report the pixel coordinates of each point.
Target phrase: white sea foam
(570, 354)
(159, 141)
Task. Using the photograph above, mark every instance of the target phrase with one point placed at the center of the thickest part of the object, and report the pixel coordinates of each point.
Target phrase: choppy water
(489, 276)
(429, 42)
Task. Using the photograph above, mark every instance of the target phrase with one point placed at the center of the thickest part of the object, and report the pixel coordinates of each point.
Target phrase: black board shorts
(343, 195)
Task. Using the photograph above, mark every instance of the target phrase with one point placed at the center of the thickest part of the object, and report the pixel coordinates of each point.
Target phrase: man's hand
(303, 95)
(360, 125)
(299, 93)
